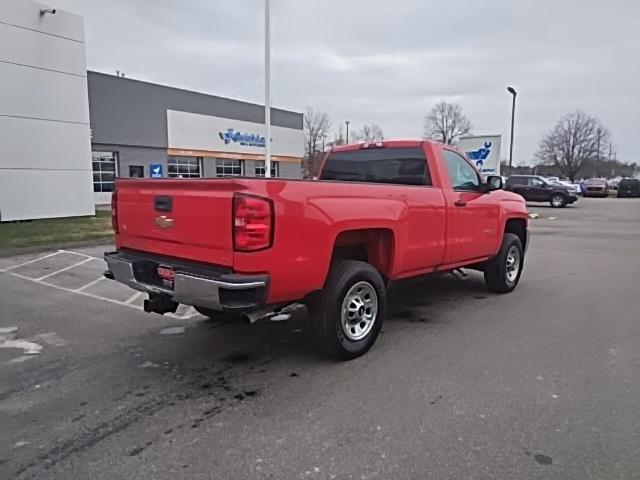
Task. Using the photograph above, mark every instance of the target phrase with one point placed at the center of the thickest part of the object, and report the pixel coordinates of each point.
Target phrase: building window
(136, 171)
(229, 168)
(275, 169)
(184, 167)
(104, 170)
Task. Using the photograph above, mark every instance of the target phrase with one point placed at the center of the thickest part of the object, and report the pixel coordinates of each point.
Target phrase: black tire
(558, 200)
(496, 272)
(325, 311)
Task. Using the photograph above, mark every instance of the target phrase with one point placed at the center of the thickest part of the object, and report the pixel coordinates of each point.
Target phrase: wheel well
(517, 226)
(374, 246)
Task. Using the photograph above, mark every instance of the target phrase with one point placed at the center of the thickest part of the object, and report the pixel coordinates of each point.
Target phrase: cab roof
(392, 143)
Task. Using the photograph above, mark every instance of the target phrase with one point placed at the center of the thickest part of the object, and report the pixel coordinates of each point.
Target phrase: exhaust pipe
(160, 304)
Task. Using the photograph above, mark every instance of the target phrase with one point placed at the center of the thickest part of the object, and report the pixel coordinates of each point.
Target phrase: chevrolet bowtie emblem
(164, 222)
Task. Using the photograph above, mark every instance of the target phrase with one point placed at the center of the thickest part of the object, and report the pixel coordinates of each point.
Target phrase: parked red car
(596, 187)
(381, 212)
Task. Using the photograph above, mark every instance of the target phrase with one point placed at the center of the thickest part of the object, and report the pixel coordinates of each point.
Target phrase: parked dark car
(537, 189)
(596, 187)
(629, 187)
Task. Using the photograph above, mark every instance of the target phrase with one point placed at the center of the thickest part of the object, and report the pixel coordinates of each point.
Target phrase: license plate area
(154, 273)
(167, 275)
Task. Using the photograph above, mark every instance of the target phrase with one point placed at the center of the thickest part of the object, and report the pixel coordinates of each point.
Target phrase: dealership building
(141, 129)
(67, 133)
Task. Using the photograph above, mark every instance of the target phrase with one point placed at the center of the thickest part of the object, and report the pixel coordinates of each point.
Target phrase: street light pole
(267, 88)
(512, 91)
(347, 122)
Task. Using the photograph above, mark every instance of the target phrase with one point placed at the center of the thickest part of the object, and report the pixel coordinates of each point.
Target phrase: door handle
(460, 203)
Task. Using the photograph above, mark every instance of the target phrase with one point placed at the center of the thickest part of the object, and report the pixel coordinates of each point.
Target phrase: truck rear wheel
(502, 273)
(347, 315)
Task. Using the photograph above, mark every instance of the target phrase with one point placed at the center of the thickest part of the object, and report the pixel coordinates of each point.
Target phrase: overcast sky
(387, 62)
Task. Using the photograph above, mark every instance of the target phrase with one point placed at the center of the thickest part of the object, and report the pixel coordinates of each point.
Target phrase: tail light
(114, 211)
(252, 223)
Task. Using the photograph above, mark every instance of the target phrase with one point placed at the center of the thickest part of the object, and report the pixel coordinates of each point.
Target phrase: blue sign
(156, 170)
(480, 155)
(245, 139)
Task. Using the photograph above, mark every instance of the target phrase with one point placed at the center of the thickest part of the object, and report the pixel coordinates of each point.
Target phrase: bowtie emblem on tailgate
(164, 222)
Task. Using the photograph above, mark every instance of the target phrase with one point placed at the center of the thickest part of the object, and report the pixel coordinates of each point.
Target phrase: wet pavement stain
(542, 459)
(237, 357)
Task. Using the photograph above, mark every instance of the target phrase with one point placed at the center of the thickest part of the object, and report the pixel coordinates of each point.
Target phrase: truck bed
(192, 220)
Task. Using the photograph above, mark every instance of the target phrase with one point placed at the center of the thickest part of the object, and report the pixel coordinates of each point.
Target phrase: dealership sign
(244, 139)
(155, 170)
(220, 135)
(484, 152)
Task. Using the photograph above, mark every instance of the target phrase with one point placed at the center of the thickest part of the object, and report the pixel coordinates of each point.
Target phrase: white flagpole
(267, 87)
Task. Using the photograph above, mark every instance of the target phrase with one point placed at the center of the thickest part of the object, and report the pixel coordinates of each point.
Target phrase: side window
(536, 182)
(463, 176)
(516, 181)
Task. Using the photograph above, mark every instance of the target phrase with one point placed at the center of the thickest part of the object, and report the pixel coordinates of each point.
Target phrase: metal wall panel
(28, 143)
(45, 165)
(32, 48)
(131, 112)
(26, 14)
(45, 194)
(43, 94)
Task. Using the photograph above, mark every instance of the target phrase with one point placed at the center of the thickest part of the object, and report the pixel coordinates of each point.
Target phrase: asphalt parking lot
(542, 383)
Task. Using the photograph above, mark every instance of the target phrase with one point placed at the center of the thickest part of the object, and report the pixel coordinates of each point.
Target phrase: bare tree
(446, 123)
(338, 137)
(316, 125)
(369, 133)
(576, 138)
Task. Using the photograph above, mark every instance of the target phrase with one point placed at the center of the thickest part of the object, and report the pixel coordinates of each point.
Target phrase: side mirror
(494, 182)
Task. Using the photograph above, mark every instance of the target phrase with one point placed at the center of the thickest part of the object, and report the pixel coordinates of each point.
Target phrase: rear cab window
(399, 166)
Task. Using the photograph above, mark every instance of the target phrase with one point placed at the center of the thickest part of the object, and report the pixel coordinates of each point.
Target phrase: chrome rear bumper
(215, 291)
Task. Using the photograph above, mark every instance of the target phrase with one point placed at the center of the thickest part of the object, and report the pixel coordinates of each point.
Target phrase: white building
(45, 154)
(66, 134)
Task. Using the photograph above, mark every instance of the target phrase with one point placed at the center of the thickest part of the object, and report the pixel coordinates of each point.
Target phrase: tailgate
(188, 219)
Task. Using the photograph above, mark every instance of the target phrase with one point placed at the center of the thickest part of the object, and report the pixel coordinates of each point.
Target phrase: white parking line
(66, 268)
(90, 284)
(133, 297)
(70, 290)
(32, 261)
(96, 297)
(186, 316)
(83, 254)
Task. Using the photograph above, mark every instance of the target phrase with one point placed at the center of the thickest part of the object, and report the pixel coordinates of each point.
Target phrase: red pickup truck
(379, 212)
